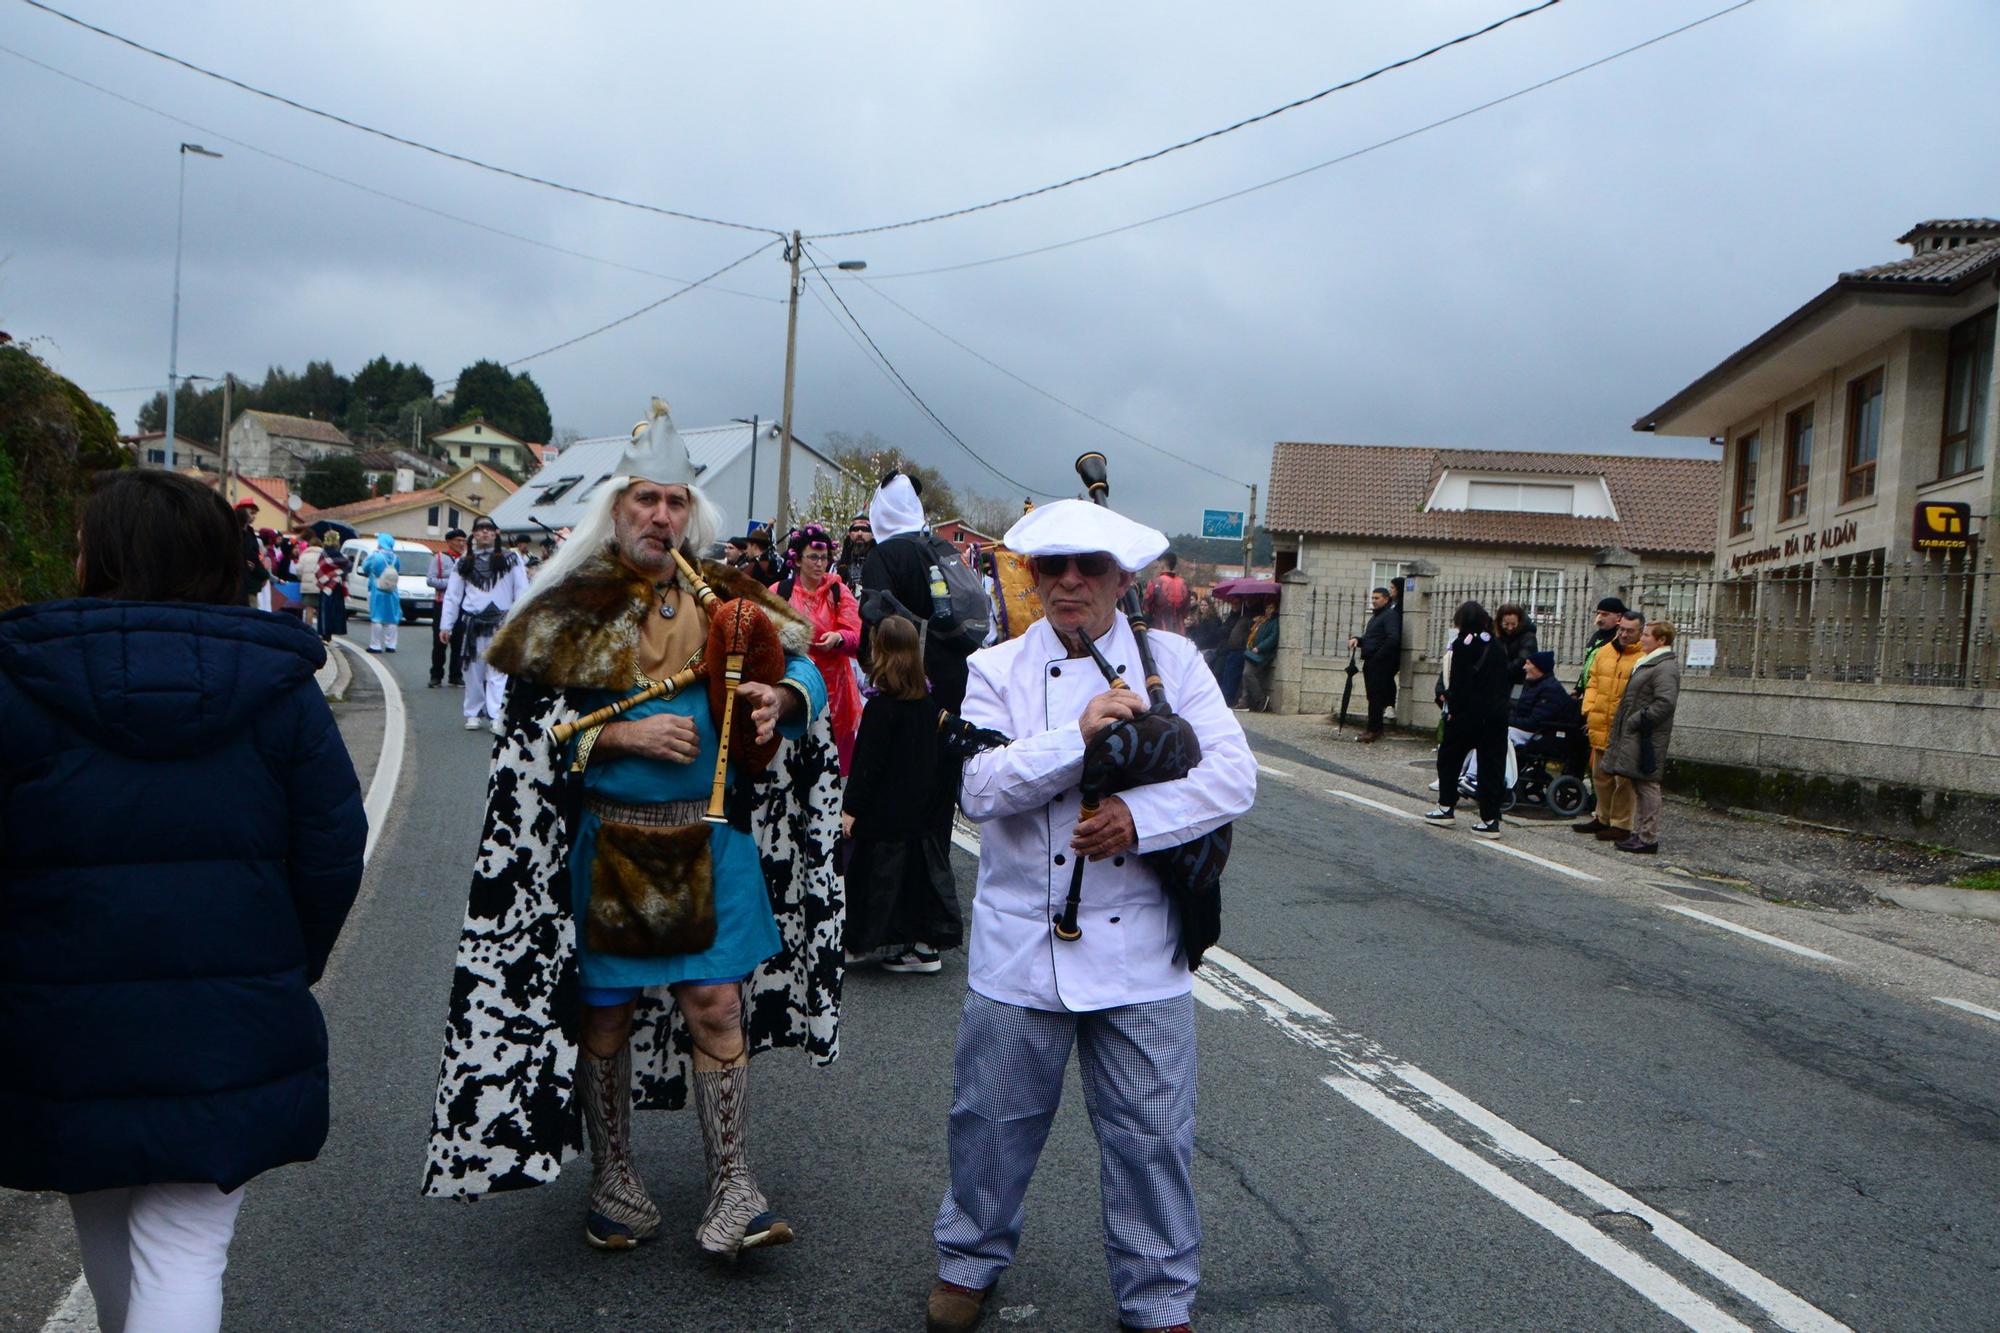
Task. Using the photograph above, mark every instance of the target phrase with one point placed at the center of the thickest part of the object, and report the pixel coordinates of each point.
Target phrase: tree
(873, 458)
(336, 479)
(53, 439)
(488, 391)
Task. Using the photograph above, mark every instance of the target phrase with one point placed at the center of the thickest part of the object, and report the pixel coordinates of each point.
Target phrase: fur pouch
(652, 892)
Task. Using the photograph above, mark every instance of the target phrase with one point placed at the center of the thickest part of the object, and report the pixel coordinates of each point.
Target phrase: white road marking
(389, 766)
(1757, 935)
(1212, 997)
(1274, 772)
(1372, 805)
(78, 1312)
(1407, 1099)
(1542, 861)
(1655, 1285)
(965, 842)
(1968, 1006)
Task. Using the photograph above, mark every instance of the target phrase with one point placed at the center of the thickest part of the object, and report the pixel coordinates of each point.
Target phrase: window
(156, 456)
(1381, 571)
(557, 489)
(1520, 497)
(457, 520)
(1968, 373)
(432, 518)
(492, 453)
(1746, 485)
(1540, 590)
(1798, 462)
(465, 451)
(1864, 435)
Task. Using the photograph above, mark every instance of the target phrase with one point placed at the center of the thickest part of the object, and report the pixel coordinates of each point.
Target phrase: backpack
(386, 578)
(961, 615)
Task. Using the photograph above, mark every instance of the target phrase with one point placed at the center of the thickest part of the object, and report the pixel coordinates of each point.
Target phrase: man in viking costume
(615, 943)
(1109, 979)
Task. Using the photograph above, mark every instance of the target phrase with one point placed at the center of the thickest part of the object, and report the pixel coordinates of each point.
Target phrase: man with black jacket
(899, 565)
(1381, 647)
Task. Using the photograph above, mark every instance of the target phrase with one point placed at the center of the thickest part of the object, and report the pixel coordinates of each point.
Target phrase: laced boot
(620, 1213)
(738, 1216)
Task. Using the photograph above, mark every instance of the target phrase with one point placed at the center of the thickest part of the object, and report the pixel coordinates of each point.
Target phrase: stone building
(271, 444)
(1553, 532)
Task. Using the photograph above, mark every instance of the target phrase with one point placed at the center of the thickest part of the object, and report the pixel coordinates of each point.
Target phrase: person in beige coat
(1641, 730)
(1610, 669)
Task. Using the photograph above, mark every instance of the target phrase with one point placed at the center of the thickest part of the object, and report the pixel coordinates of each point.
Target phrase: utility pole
(781, 524)
(174, 338)
(1250, 531)
(222, 444)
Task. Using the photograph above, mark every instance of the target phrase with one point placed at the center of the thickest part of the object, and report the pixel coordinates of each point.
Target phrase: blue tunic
(384, 608)
(745, 932)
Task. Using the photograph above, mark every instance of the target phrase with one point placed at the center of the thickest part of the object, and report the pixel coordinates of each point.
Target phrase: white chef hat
(1078, 527)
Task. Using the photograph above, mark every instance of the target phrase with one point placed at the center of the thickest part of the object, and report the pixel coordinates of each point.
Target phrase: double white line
(1480, 1146)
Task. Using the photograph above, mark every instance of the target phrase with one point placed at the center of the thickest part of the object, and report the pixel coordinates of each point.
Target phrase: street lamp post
(174, 338)
(782, 523)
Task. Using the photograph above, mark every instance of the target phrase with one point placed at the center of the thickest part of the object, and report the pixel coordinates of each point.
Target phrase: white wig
(596, 531)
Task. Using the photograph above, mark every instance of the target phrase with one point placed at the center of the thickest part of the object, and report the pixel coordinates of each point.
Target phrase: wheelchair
(1552, 770)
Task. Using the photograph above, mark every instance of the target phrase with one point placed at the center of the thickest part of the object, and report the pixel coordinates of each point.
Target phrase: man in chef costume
(1121, 994)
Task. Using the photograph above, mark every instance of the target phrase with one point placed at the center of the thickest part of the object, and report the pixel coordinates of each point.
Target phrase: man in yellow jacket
(1610, 669)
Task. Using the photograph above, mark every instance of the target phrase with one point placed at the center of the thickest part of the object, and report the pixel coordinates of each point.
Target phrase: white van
(413, 566)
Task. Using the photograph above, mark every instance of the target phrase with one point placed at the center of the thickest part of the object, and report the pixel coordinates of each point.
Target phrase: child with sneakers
(901, 897)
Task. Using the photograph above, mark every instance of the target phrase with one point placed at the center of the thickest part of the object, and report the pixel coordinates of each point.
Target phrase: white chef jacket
(463, 598)
(1024, 795)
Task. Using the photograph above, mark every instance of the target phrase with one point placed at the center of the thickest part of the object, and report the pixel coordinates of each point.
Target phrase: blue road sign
(1222, 523)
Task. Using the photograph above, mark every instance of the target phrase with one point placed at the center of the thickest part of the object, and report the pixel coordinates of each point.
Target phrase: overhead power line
(365, 188)
(1060, 402)
(627, 319)
(393, 137)
(916, 397)
(1159, 153)
(1320, 166)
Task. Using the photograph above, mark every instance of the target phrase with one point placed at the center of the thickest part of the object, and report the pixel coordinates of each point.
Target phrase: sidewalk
(1780, 861)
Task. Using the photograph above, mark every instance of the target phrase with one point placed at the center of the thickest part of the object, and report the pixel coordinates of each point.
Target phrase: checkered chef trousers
(1138, 1068)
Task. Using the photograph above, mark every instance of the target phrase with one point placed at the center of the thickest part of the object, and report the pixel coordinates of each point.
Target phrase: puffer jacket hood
(151, 680)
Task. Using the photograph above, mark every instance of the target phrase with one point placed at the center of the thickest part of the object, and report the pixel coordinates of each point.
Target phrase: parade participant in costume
(439, 579)
(565, 1015)
(900, 569)
(1118, 993)
(854, 549)
(828, 604)
(482, 589)
(332, 577)
(385, 605)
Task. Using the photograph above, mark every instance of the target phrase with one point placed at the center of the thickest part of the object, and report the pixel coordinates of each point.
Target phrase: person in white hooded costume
(899, 565)
(1121, 994)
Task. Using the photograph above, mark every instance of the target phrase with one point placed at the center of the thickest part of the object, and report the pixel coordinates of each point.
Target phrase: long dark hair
(153, 536)
(1471, 618)
(896, 664)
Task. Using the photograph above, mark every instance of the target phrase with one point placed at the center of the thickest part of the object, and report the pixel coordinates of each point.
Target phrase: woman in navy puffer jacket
(180, 841)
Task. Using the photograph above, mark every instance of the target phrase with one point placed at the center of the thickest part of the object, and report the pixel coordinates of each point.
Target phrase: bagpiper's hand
(1105, 833)
(1110, 707)
(665, 736)
(767, 706)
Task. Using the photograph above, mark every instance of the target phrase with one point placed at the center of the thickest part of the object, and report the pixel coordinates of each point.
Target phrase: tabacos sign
(1943, 526)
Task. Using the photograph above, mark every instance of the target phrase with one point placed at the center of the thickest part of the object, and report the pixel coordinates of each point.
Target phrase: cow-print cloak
(505, 1117)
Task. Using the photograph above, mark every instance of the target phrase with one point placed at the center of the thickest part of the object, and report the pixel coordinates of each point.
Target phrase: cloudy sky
(1535, 275)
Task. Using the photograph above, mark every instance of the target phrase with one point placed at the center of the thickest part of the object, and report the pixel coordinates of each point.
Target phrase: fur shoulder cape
(505, 1116)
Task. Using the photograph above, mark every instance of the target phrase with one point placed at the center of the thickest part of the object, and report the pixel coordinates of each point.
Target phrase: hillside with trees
(53, 439)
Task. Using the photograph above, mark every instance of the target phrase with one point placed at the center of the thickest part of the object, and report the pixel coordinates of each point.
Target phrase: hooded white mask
(895, 510)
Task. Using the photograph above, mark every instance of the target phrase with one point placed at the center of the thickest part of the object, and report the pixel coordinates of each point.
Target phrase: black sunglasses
(1055, 566)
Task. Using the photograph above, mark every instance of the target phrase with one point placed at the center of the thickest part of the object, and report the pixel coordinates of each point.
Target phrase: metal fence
(1333, 615)
(1562, 611)
(1859, 619)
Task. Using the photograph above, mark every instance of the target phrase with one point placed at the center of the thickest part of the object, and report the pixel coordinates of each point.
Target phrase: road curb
(335, 678)
(1973, 904)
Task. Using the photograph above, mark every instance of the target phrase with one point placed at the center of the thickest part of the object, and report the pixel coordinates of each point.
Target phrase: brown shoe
(1610, 834)
(1590, 825)
(954, 1309)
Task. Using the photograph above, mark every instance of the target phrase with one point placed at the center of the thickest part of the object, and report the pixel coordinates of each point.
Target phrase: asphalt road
(1440, 1089)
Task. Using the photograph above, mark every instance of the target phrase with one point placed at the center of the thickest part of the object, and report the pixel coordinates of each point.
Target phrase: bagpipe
(1158, 745)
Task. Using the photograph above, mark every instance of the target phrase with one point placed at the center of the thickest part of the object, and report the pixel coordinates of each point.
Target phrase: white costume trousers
(154, 1254)
(485, 686)
(381, 637)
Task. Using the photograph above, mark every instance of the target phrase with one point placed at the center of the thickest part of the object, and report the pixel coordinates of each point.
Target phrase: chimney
(406, 480)
(1949, 234)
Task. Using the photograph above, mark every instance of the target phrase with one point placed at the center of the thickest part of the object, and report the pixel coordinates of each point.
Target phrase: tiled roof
(1933, 266)
(1991, 226)
(301, 428)
(1666, 505)
(385, 504)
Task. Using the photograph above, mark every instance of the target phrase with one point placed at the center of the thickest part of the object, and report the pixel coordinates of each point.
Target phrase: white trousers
(381, 636)
(154, 1254)
(485, 688)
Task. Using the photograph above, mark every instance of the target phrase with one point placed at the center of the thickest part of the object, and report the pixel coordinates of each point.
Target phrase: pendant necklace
(667, 607)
